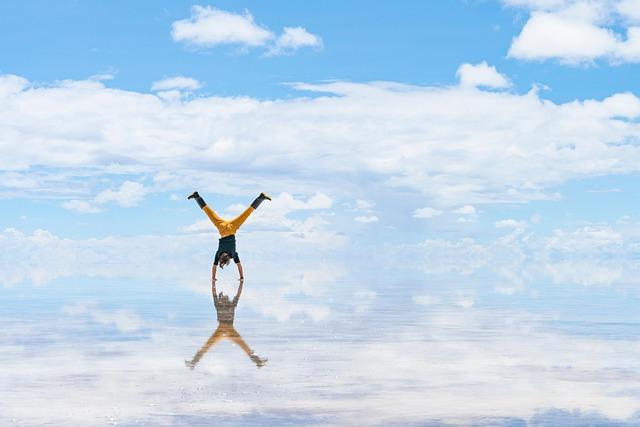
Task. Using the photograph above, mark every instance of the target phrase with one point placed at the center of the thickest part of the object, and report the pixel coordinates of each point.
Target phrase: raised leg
(240, 219)
(215, 218)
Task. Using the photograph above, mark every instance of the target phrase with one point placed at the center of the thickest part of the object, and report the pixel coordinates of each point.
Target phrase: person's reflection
(226, 312)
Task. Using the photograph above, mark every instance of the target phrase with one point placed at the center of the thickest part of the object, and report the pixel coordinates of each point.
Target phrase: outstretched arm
(237, 297)
(240, 272)
(214, 268)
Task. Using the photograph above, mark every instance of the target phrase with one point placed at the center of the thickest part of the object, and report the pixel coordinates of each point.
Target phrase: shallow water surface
(339, 353)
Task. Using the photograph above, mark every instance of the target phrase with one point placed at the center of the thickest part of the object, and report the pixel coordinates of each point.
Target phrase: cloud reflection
(441, 363)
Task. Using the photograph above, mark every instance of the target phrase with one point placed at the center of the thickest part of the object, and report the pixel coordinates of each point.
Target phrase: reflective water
(100, 352)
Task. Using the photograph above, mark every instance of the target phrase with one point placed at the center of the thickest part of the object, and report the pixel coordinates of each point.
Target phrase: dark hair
(225, 258)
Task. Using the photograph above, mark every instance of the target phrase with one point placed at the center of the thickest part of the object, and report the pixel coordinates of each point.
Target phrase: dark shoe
(258, 361)
(259, 200)
(195, 195)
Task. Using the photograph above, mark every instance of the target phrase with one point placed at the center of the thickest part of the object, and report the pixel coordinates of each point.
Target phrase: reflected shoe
(259, 362)
(190, 364)
(195, 195)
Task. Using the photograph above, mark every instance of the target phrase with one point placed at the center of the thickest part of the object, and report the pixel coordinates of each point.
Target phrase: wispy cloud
(129, 194)
(366, 218)
(465, 210)
(606, 190)
(177, 82)
(122, 319)
(510, 223)
(81, 206)
(427, 213)
(594, 255)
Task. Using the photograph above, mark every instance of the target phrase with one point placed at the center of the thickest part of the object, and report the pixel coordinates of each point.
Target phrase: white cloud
(551, 36)
(596, 255)
(129, 194)
(426, 213)
(453, 367)
(314, 229)
(465, 210)
(364, 205)
(285, 202)
(464, 299)
(481, 74)
(178, 82)
(466, 219)
(41, 257)
(200, 226)
(293, 39)
(625, 105)
(209, 26)
(103, 76)
(274, 217)
(81, 206)
(426, 300)
(366, 218)
(510, 223)
(586, 239)
(363, 300)
(629, 10)
(578, 31)
(11, 84)
(629, 50)
(305, 144)
(122, 319)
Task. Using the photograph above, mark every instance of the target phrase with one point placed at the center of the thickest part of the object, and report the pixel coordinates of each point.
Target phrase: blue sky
(418, 43)
(386, 127)
(467, 162)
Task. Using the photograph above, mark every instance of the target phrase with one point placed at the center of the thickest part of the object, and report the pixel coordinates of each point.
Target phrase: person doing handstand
(227, 229)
